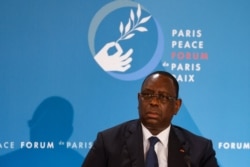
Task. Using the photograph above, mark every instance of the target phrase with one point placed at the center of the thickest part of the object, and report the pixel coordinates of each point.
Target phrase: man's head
(158, 101)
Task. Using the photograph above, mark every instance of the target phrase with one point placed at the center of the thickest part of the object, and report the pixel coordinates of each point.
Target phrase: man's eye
(162, 96)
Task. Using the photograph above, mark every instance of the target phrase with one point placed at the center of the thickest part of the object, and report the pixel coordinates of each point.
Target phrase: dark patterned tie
(151, 157)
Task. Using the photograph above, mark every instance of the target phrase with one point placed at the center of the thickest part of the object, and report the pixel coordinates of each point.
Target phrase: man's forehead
(157, 79)
(154, 76)
(157, 76)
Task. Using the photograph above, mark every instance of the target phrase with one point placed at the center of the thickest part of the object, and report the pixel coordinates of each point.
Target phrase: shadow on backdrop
(51, 124)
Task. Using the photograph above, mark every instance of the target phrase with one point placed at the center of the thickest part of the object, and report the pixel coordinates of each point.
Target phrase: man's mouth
(152, 115)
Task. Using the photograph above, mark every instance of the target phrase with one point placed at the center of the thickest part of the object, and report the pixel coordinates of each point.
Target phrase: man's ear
(138, 96)
(178, 103)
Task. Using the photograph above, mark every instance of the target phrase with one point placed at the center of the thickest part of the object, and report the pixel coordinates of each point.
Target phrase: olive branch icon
(133, 24)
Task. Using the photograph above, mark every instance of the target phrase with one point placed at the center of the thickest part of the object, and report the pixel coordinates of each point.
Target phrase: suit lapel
(134, 145)
(176, 149)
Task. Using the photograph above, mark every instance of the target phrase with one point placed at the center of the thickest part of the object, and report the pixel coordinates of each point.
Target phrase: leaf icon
(121, 28)
(138, 13)
(129, 36)
(144, 20)
(141, 29)
(127, 28)
(132, 15)
(133, 25)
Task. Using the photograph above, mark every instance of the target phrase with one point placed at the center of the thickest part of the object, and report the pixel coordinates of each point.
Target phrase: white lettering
(187, 44)
(185, 67)
(186, 33)
(7, 145)
(79, 145)
(37, 145)
(234, 145)
(184, 78)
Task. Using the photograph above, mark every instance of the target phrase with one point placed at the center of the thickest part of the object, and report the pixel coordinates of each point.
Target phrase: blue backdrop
(63, 79)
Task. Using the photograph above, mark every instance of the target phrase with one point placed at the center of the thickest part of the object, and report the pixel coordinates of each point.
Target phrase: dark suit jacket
(122, 146)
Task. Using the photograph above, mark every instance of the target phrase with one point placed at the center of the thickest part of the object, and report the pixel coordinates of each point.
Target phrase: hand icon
(116, 61)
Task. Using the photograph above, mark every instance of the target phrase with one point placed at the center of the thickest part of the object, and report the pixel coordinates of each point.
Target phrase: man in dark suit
(127, 144)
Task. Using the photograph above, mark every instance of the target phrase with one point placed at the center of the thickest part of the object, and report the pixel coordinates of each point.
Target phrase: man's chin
(152, 122)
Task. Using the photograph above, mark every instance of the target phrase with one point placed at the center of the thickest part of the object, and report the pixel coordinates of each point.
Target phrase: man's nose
(154, 100)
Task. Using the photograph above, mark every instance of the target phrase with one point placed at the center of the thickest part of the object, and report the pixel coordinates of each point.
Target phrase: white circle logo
(125, 40)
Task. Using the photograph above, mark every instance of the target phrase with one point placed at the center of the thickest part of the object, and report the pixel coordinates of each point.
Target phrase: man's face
(158, 103)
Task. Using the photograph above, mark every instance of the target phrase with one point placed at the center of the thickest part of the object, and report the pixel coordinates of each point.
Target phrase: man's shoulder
(125, 126)
(188, 135)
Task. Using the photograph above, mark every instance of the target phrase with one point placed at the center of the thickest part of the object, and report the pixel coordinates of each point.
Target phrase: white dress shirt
(161, 147)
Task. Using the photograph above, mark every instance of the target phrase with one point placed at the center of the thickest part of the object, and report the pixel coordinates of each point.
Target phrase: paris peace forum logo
(125, 40)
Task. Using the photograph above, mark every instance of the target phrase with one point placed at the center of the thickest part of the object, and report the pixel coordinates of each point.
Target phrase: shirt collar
(162, 136)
